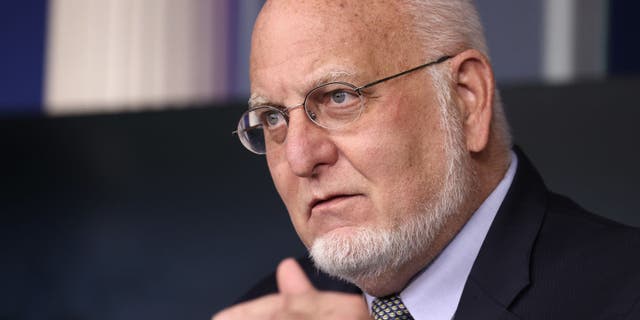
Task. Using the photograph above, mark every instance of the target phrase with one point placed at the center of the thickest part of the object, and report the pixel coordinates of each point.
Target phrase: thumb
(291, 278)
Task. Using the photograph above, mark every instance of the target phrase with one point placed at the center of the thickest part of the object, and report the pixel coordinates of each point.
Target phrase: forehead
(296, 43)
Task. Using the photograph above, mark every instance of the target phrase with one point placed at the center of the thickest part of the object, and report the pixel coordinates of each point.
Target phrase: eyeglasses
(331, 105)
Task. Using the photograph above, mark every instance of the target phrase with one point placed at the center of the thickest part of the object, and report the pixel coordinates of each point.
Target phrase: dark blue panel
(22, 42)
(624, 48)
(164, 215)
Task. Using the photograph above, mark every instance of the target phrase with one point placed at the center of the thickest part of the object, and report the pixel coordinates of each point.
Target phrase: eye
(338, 96)
(272, 118)
(334, 96)
(333, 104)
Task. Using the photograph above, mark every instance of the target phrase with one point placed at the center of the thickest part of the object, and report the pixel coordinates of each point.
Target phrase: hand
(298, 299)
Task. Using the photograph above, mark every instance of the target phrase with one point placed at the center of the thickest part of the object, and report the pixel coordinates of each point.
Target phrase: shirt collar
(436, 292)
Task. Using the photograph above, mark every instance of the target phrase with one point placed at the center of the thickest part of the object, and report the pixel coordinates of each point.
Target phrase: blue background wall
(624, 47)
(164, 215)
(22, 47)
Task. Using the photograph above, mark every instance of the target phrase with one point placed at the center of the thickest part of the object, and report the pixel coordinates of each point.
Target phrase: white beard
(367, 253)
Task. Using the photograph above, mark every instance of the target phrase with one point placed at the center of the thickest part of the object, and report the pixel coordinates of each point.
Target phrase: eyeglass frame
(285, 110)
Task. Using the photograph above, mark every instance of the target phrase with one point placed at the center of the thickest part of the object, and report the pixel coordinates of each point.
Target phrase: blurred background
(124, 195)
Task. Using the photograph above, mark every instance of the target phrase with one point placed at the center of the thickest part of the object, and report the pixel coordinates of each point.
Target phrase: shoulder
(582, 258)
(573, 231)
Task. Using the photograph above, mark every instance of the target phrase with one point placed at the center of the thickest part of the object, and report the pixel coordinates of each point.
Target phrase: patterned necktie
(390, 308)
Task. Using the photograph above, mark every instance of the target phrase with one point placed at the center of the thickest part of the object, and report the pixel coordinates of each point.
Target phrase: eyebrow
(331, 76)
(257, 100)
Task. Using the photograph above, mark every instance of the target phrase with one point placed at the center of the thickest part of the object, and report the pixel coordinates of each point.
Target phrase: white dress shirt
(436, 292)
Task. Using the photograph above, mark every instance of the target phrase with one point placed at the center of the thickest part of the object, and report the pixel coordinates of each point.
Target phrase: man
(386, 140)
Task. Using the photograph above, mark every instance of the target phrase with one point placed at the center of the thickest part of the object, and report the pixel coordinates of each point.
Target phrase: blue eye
(272, 118)
(339, 96)
(333, 104)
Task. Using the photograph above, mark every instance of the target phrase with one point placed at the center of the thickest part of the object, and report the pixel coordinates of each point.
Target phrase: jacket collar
(501, 270)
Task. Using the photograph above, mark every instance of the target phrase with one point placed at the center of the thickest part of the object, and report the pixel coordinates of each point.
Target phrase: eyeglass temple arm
(442, 59)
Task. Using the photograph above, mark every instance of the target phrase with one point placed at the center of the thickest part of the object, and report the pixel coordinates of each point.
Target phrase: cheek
(401, 153)
(287, 186)
(402, 134)
(282, 177)
(404, 183)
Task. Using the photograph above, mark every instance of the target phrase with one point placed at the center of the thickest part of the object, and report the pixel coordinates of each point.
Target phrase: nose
(308, 147)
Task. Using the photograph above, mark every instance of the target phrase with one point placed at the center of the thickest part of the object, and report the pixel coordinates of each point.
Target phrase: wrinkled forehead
(332, 15)
(287, 29)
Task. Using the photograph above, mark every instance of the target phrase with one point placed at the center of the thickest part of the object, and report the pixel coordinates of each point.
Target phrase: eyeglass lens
(331, 106)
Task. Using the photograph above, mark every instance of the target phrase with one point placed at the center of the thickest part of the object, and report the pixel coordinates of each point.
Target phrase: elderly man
(387, 142)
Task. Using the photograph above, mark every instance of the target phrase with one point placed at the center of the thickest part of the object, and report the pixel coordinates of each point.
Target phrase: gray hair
(446, 27)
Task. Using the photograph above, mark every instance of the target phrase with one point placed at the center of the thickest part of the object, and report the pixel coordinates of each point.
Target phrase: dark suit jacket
(544, 257)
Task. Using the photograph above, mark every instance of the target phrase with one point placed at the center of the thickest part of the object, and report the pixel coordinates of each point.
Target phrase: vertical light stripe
(591, 39)
(108, 55)
(118, 42)
(146, 79)
(220, 47)
(148, 49)
(177, 46)
(559, 42)
(203, 67)
(67, 59)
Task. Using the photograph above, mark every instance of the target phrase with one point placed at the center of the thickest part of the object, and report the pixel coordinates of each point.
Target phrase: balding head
(406, 30)
(291, 26)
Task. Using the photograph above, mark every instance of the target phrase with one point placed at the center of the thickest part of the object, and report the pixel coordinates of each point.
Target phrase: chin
(359, 254)
(346, 253)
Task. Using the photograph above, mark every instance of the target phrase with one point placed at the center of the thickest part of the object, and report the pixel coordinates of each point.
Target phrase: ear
(474, 90)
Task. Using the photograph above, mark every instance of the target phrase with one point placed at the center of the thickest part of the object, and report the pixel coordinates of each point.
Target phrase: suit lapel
(501, 270)
(480, 305)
